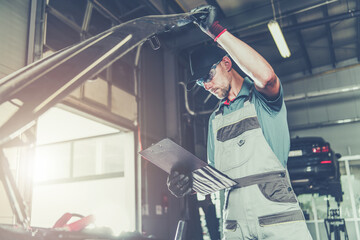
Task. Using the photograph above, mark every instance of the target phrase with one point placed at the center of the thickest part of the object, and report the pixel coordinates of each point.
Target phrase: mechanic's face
(219, 85)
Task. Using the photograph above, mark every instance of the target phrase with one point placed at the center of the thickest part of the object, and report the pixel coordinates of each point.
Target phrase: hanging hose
(191, 112)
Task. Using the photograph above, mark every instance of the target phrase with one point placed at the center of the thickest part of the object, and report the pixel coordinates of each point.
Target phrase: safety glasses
(208, 77)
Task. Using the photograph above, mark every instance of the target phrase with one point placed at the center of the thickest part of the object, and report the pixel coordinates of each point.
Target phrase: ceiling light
(279, 39)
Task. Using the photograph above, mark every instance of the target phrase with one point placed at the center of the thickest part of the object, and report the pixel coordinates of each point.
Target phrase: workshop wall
(13, 52)
(14, 32)
(152, 95)
(327, 105)
(160, 210)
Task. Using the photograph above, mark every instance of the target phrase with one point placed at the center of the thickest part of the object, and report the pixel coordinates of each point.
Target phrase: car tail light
(319, 149)
(316, 149)
(325, 148)
(325, 162)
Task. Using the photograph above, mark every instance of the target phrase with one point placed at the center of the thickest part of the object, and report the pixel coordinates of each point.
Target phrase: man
(248, 138)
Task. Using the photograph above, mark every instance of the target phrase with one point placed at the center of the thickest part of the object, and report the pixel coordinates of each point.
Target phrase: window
(316, 206)
(83, 167)
(52, 162)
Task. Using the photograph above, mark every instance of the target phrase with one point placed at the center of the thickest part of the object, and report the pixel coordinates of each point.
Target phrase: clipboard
(168, 155)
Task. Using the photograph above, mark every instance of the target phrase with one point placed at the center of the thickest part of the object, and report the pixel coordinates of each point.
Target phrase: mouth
(213, 90)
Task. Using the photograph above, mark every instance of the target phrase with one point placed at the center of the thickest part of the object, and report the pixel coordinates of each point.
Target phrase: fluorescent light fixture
(279, 39)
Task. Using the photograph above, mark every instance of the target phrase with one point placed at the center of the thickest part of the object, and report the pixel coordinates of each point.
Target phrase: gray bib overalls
(263, 204)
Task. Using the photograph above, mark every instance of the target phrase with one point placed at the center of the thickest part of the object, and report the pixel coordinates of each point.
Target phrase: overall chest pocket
(234, 143)
(235, 152)
(234, 130)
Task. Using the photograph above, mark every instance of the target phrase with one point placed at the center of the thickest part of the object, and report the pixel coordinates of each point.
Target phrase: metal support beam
(303, 47)
(294, 56)
(63, 18)
(31, 32)
(154, 10)
(345, 43)
(323, 124)
(323, 93)
(258, 35)
(138, 146)
(86, 20)
(297, 55)
(241, 23)
(264, 13)
(106, 12)
(329, 37)
(100, 113)
(358, 31)
(131, 12)
(165, 4)
(309, 24)
(83, 30)
(313, 23)
(18, 205)
(44, 26)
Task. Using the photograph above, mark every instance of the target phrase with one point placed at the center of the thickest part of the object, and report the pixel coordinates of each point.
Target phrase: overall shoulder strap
(249, 98)
(219, 110)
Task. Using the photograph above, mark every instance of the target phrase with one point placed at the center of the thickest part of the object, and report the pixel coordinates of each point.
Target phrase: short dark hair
(201, 60)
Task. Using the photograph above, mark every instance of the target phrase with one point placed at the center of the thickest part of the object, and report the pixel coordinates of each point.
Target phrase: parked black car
(314, 168)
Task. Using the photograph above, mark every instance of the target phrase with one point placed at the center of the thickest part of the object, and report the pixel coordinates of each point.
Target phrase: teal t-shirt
(271, 116)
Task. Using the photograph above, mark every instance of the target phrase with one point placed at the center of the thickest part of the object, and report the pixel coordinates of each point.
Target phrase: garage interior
(81, 155)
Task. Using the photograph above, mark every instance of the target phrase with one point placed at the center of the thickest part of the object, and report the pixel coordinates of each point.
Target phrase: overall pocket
(234, 152)
(231, 225)
(234, 130)
(284, 217)
(232, 140)
(278, 190)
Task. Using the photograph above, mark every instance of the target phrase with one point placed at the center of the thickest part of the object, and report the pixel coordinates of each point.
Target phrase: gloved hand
(179, 184)
(205, 19)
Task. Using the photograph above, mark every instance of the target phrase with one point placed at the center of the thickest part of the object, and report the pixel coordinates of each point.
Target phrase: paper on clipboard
(168, 155)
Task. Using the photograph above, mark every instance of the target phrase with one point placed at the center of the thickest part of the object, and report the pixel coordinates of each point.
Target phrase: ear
(227, 63)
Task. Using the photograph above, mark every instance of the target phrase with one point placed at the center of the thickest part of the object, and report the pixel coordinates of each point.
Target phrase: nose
(207, 85)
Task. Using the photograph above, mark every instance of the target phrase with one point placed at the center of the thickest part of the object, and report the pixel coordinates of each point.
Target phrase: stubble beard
(224, 92)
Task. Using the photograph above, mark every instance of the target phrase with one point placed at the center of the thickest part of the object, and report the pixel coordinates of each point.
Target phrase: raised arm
(249, 61)
(252, 64)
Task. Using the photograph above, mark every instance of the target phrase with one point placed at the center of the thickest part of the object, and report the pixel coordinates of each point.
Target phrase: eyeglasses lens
(208, 77)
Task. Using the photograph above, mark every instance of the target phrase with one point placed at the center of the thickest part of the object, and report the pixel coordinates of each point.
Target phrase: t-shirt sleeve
(210, 143)
(271, 105)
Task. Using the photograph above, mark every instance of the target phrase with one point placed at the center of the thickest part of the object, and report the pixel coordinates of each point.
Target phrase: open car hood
(32, 90)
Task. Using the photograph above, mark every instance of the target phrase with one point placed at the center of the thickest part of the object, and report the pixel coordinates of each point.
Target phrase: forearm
(250, 61)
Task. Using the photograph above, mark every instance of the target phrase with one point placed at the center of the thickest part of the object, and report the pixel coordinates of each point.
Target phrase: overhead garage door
(14, 16)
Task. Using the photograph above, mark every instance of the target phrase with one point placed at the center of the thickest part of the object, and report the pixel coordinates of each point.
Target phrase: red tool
(62, 223)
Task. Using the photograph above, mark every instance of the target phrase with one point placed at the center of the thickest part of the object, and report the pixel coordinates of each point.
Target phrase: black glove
(179, 184)
(205, 18)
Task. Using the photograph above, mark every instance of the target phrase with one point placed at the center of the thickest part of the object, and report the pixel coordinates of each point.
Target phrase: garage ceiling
(319, 33)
